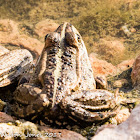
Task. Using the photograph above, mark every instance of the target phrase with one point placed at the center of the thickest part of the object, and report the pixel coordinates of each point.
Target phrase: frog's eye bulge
(52, 38)
(72, 39)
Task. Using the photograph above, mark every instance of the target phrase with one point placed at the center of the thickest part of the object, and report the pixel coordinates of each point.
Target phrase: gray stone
(128, 130)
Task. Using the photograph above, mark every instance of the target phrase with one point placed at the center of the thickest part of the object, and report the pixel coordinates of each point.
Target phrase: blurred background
(110, 28)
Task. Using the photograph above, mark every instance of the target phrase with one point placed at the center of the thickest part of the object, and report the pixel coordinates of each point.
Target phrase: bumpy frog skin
(63, 82)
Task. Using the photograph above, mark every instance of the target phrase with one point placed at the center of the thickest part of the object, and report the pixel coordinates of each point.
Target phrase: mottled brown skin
(63, 80)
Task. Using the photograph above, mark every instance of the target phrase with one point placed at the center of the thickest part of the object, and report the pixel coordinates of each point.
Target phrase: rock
(132, 30)
(121, 116)
(63, 134)
(18, 129)
(45, 26)
(17, 68)
(8, 28)
(125, 65)
(128, 130)
(9, 34)
(120, 83)
(4, 118)
(101, 67)
(125, 30)
(32, 44)
(135, 74)
(3, 50)
(102, 127)
(111, 51)
(27, 130)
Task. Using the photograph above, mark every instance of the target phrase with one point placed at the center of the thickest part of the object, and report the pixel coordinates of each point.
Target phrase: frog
(62, 83)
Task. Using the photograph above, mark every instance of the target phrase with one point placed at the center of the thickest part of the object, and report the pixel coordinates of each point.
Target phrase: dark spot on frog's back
(48, 73)
(59, 79)
(67, 54)
(53, 60)
(63, 67)
(60, 87)
(67, 63)
(53, 51)
(49, 81)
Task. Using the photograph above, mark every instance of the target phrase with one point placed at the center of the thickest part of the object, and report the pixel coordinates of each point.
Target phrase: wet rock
(135, 74)
(45, 26)
(125, 131)
(9, 35)
(111, 50)
(4, 118)
(32, 44)
(23, 41)
(101, 67)
(8, 28)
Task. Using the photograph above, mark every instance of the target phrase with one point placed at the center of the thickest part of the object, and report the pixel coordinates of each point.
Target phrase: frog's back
(67, 67)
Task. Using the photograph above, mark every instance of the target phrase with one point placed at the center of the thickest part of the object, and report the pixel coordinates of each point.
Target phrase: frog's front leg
(90, 106)
(28, 100)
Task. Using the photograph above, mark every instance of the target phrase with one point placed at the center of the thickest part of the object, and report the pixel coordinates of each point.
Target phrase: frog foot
(90, 106)
(28, 100)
